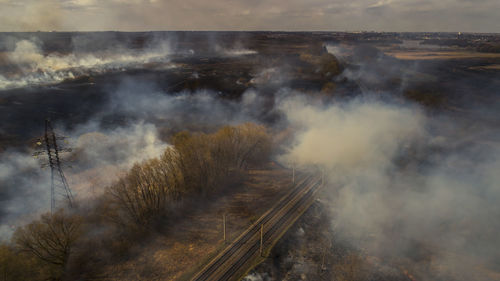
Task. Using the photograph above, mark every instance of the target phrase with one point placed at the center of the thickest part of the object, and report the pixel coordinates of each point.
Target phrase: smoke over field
(28, 65)
(401, 187)
(411, 164)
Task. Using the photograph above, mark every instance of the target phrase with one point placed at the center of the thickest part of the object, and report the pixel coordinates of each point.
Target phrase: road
(245, 252)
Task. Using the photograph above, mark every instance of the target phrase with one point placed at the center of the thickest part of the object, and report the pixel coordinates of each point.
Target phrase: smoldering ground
(400, 178)
(28, 65)
(129, 122)
(404, 185)
(132, 126)
(31, 60)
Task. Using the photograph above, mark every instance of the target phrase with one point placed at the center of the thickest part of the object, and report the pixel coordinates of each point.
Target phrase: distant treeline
(483, 47)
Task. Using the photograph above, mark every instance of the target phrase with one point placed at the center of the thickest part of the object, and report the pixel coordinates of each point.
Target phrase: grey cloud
(394, 15)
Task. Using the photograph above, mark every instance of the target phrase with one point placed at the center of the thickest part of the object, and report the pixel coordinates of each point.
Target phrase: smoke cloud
(24, 190)
(98, 158)
(403, 185)
(130, 128)
(31, 66)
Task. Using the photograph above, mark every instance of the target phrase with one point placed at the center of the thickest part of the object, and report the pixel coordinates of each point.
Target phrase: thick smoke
(371, 69)
(31, 66)
(403, 185)
(98, 158)
(24, 190)
(21, 190)
(398, 179)
(356, 134)
(129, 129)
(27, 62)
(142, 100)
(103, 155)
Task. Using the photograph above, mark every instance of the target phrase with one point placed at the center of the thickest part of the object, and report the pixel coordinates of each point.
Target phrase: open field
(440, 55)
(198, 234)
(487, 67)
(431, 110)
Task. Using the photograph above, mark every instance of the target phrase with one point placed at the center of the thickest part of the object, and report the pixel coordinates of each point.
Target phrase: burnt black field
(405, 127)
(199, 63)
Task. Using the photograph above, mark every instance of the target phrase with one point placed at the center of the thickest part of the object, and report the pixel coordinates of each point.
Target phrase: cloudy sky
(335, 15)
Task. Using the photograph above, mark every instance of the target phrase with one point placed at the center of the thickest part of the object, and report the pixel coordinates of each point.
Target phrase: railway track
(236, 259)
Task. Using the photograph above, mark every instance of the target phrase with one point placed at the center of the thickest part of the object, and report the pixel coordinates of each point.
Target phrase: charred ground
(225, 69)
(299, 61)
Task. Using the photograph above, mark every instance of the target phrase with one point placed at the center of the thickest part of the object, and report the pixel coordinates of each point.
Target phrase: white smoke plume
(102, 152)
(400, 183)
(24, 190)
(34, 67)
(143, 100)
(255, 276)
(234, 52)
(101, 157)
(371, 69)
(104, 155)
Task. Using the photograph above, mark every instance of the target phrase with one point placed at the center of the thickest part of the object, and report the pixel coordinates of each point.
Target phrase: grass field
(197, 236)
(439, 55)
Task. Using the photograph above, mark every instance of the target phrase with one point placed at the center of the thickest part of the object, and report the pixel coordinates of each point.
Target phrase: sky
(284, 15)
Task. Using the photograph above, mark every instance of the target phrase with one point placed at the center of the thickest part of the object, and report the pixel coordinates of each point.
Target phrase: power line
(58, 183)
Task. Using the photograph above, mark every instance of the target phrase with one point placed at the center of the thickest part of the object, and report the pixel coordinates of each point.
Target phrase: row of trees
(196, 164)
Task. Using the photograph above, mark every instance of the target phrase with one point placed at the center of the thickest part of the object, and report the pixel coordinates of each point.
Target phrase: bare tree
(197, 163)
(51, 238)
(148, 188)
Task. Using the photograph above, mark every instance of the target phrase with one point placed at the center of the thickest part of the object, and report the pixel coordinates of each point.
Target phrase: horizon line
(249, 31)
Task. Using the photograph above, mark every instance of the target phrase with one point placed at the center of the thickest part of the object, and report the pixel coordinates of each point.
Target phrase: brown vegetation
(440, 55)
(430, 99)
(16, 265)
(63, 246)
(196, 164)
(49, 240)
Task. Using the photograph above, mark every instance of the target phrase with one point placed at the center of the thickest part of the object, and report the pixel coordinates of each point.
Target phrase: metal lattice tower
(59, 185)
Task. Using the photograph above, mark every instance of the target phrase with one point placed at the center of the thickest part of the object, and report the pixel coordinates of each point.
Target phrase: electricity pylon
(58, 183)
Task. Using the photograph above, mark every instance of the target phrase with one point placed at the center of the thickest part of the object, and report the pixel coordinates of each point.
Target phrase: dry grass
(4, 60)
(439, 55)
(487, 67)
(199, 234)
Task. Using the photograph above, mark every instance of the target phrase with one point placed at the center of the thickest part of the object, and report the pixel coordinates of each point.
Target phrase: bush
(148, 188)
(16, 266)
(196, 164)
(329, 66)
(50, 239)
(207, 160)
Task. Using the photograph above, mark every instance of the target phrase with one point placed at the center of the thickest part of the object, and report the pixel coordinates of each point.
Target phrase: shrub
(50, 239)
(195, 164)
(147, 189)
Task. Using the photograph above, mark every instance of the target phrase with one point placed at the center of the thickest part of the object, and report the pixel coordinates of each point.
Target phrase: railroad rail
(244, 253)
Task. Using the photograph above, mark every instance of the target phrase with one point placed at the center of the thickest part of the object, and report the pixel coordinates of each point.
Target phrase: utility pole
(224, 226)
(293, 173)
(322, 176)
(261, 238)
(323, 268)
